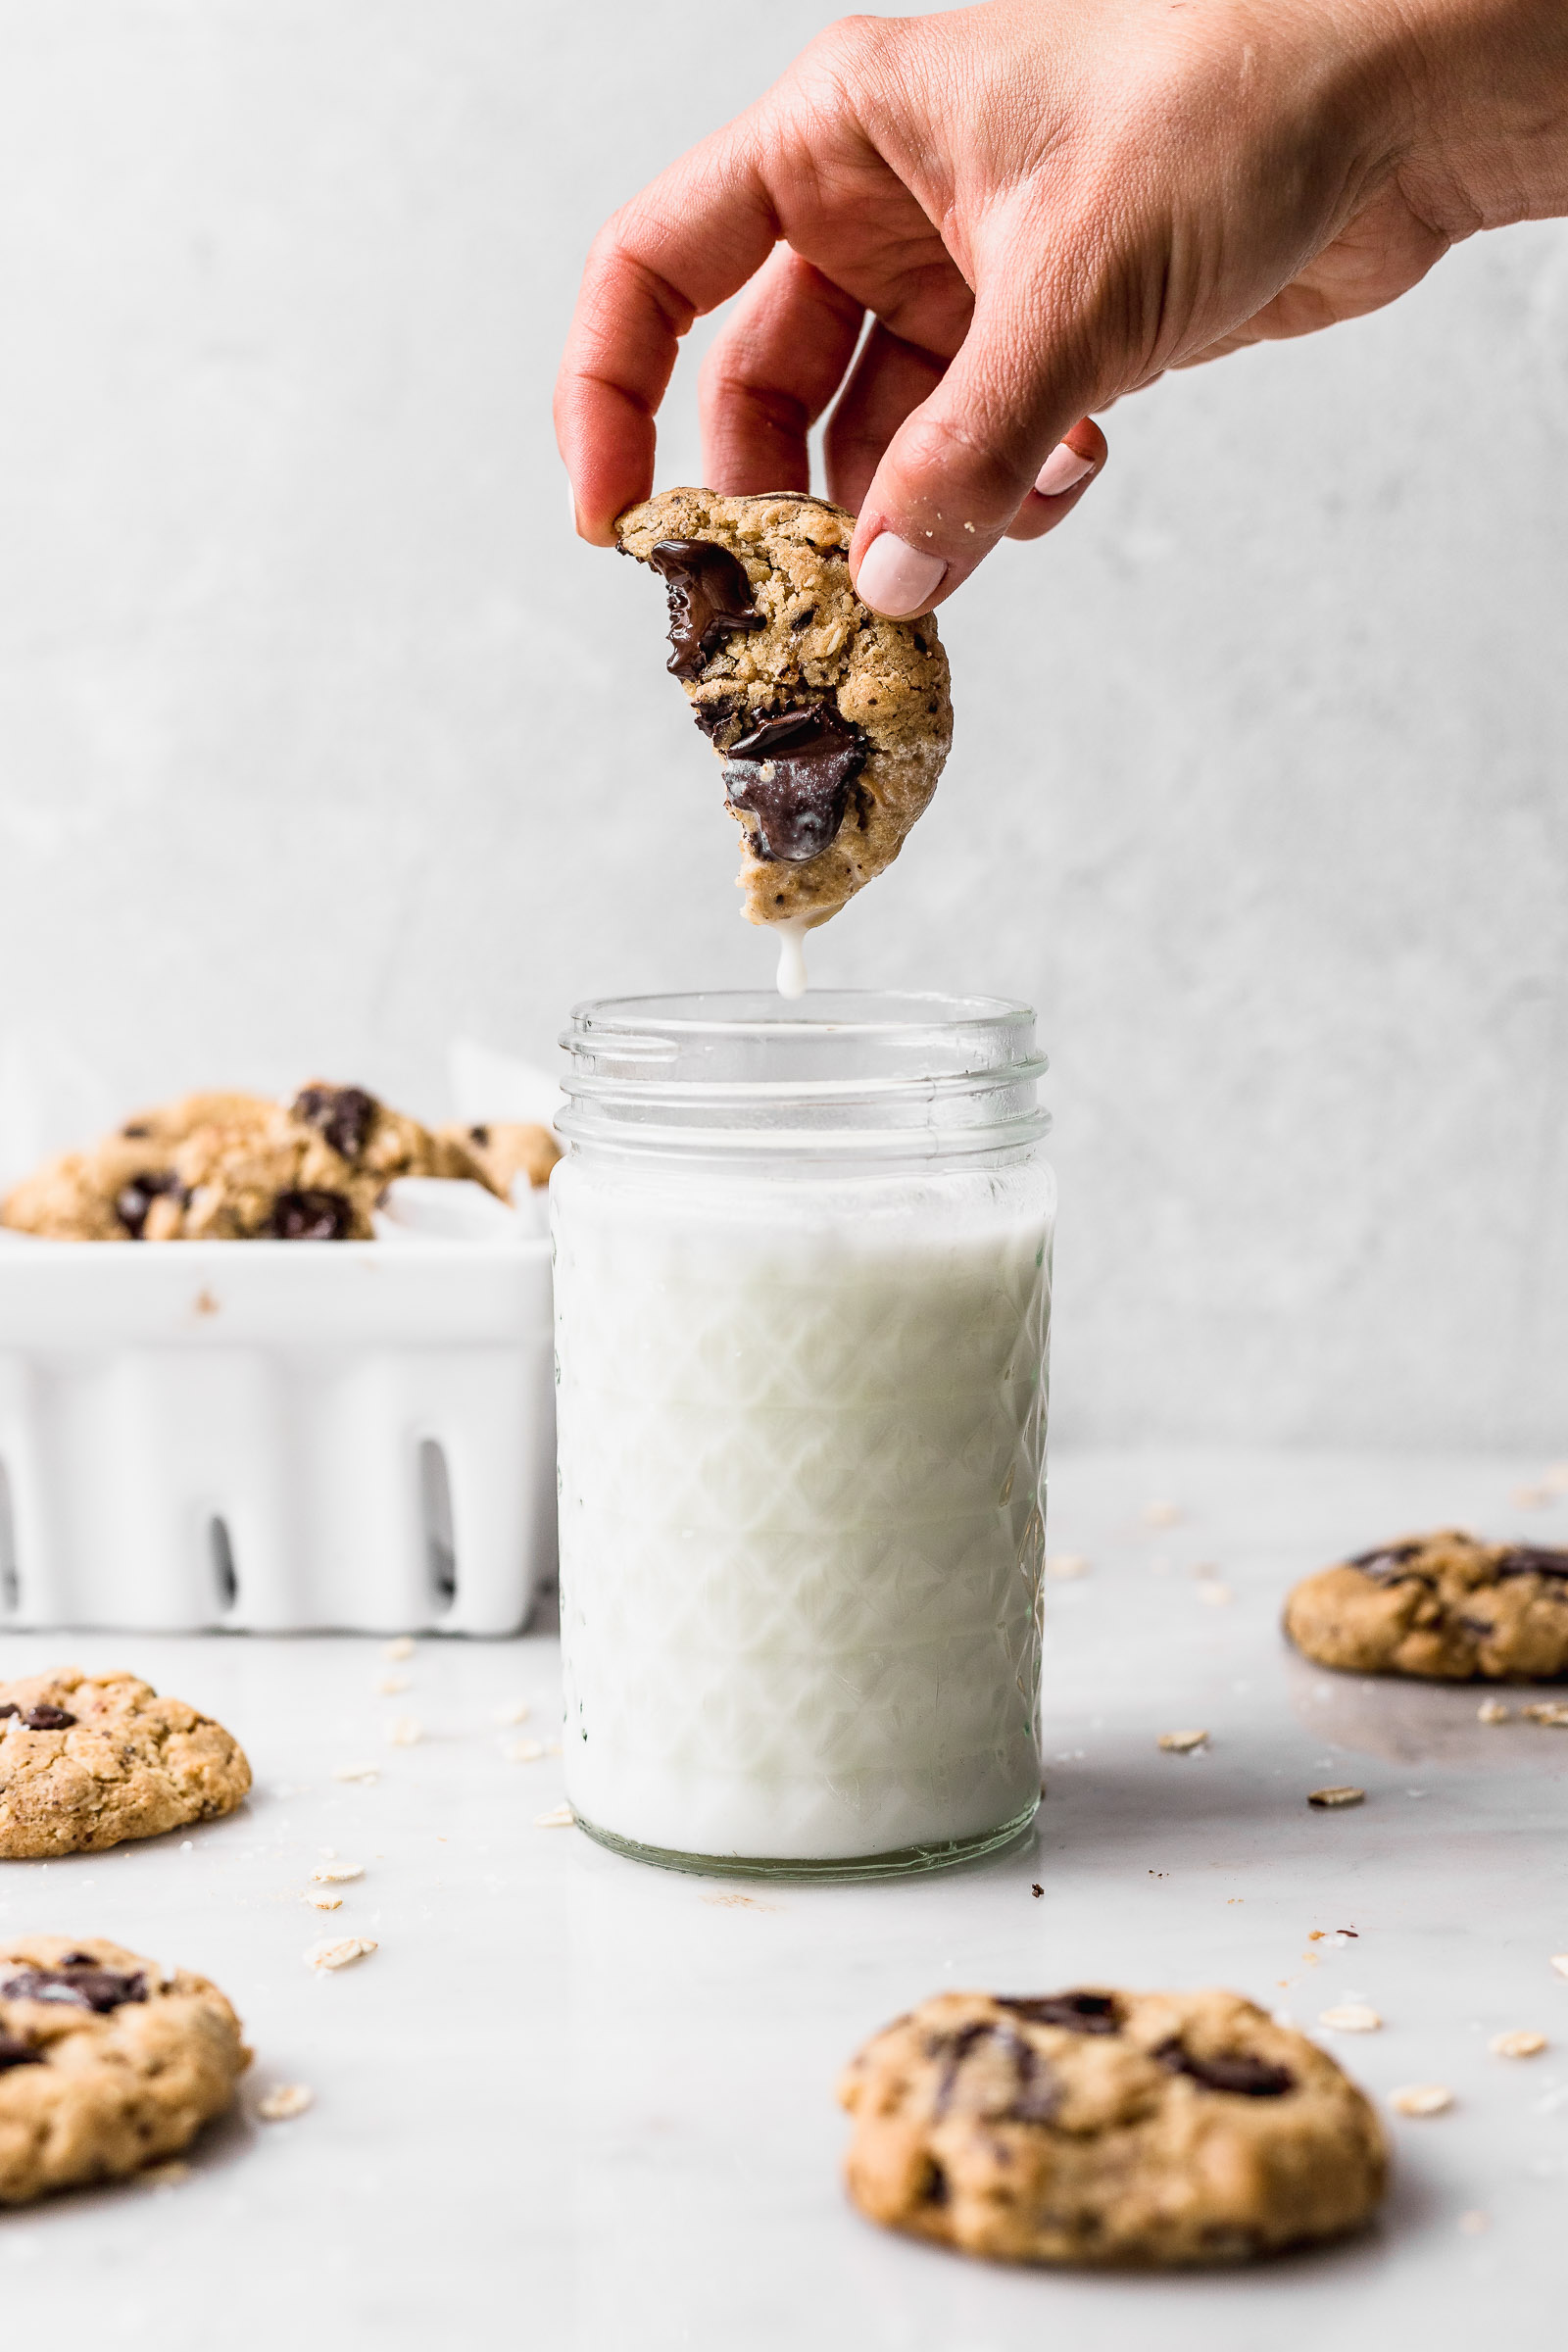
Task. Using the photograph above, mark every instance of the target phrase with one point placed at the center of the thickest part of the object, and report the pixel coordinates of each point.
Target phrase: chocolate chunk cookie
(505, 1149)
(832, 723)
(1108, 2128)
(236, 1167)
(88, 1760)
(1444, 1606)
(108, 2062)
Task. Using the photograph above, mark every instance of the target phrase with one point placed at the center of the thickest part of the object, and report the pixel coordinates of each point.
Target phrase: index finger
(690, 240)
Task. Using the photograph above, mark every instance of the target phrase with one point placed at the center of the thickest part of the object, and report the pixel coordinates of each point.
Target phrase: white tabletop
(571, 2102)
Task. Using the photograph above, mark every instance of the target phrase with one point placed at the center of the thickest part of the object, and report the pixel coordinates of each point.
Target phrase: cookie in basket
(1443, 1606)
(1105, 2128)
(832, 723)
(506, 1149)
(108, 2062)
(87, 1761)
(237, 1167)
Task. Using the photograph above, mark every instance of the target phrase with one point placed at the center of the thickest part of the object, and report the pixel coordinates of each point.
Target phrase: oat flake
(1182, 1744)
(1331, 1799)
(1351, 2017)
(281, 2105)
(1422, 2099)
(337, 1951)
(1523, 2043)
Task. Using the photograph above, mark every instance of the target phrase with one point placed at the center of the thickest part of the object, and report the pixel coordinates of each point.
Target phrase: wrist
(1487, 141)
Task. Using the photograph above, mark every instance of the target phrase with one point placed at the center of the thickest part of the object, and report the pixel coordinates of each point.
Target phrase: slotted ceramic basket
(277, 1436)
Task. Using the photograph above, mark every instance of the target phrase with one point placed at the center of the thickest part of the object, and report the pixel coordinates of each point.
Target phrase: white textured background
(321, 739)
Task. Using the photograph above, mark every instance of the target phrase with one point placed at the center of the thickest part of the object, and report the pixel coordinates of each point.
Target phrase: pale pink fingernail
(897, 579)
(1062, 471)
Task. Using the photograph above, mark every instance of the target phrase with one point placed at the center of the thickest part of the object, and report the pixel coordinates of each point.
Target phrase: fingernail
(897, 579)
(1062, 471)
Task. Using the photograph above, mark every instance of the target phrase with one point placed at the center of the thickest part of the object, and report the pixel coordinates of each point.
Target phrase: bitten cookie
(236, 1167)
(1108, 2128)
(107, 2063)
(832, 723)
(505, 1149)
(88, 1760)
(1443, 1606)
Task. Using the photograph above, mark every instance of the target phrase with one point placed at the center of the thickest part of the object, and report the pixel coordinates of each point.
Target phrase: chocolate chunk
(793, 773)
(75, 1986)
(17, 2053)
(934, 2183)
(10, 1708)
(48, 1719)
(135, 1129)
(311, 1216)
(1234, 2071)
(1525, 1560)
(342, 1115)
(804, 620)
(1038, 2093)
(1387, 1560)
(135, 1198)
(709, 597)
(479, 1136)
(1079, 2012)
(1035, 2094)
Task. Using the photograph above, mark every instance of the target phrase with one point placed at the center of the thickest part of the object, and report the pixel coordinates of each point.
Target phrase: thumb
(961, 470)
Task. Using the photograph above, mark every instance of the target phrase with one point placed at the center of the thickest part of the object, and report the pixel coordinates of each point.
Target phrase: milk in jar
(803, 1266)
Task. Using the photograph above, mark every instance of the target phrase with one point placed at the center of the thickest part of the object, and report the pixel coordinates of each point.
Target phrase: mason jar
(802, 1281)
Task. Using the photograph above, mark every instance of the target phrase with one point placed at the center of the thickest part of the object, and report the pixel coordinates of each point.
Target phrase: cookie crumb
(1553, 1714)
(1066, 1565)
(337, 1951)
(516, 1710)
(1523, 2043)
(1331, 1799)
(1492, 1710)
(562, 1817)
(1036, 1890)
(390, 1685)
(333, 1873)
(356, 1772)
(523, 1752)
(281, 2105)
(1422, 2099)
(401, 1647)
(1351, 2017)
(1182, 1744)
(405, 1731)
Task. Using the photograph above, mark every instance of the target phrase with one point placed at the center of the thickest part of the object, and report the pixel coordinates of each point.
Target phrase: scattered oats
(1066, 1565)
(1422, 2099)
(1559, 1961)
(337, 1952)
(516, 1710)
(1475, 2224)
(523, 1752)
(1162, 1514)
(390, 1685)
(1492, 1710)
(1210, 1589)
(325, 1902)
(1553, 1714)
(281, 2106)
(337, 1874)
(401, 1647)
(165, 2176)
(1523, 2043)
(1329, 1800)
(405, 1731)
(562, 1817)
(356, 1772)
(1182, 1744)
(1351, 2017)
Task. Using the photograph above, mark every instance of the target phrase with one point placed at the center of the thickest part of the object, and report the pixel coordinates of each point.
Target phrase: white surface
(576, 2103)
(279, 1433)
(322, 740)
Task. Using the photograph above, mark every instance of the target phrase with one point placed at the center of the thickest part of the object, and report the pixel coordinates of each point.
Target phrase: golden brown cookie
(108, 2062)
(832, 723)
(1444, 1606)
(505, 1149)
(88, 1760)
(1108, 2128)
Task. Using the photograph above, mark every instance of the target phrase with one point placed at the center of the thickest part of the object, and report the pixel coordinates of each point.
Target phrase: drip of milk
(790, 958)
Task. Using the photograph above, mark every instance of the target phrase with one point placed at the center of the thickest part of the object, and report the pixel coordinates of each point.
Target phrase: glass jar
(803, 1279)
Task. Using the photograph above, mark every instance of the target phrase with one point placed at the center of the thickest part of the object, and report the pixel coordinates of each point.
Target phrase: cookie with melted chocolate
(832, 723)
(1444, 1608)
(1111, 2128)
(89, 1760)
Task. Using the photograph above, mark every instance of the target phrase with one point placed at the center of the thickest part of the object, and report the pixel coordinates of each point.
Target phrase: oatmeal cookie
(88, 1760)
(832, 723)
(505, 1149)
(108, 2062)
(1444, 1606)
(236, 1167)
(1108, 2128)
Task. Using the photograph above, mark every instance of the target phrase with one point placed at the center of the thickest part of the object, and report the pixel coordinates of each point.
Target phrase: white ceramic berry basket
(279, 1436)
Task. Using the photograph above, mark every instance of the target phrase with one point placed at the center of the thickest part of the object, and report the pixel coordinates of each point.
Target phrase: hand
(1043, 203)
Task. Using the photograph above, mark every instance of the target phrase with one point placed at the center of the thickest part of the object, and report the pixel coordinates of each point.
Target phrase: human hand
(1043, 205)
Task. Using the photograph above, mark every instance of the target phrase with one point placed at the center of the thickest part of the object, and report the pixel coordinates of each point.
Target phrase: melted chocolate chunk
(934, 2184)
(1234, 2071)
(135, 1130)
(17, 2053)
(135, 1198)
(75, 1985)
(10, 1708)
(1525, 1560)
(718, 711)
(793, 773)
(1079, 2012)
(48, 1719)
(311, 1216)
(1035, 2094)
(804, 620)
(1387, 1560)
(342, 1115)
(709, 597)
(479, 1136)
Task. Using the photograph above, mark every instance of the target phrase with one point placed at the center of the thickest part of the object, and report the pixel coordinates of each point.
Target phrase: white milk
(802, 1462)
